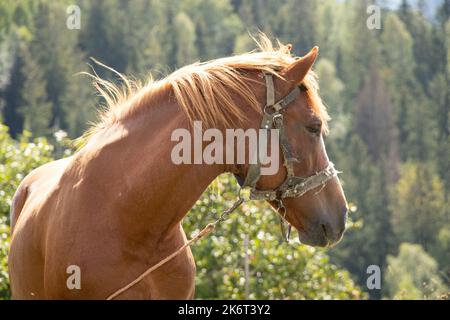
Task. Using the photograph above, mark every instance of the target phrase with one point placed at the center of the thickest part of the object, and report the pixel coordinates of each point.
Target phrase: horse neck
(155, 193)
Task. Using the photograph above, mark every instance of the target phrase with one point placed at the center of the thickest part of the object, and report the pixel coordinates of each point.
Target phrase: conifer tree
(35, 109)
(375, 123)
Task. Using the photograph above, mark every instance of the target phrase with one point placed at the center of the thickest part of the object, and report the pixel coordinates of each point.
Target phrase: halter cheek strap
(292, 186)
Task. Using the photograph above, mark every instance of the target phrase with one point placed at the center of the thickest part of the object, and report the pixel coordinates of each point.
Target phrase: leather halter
(292, 186)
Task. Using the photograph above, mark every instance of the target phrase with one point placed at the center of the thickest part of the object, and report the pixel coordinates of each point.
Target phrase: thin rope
(206, 230)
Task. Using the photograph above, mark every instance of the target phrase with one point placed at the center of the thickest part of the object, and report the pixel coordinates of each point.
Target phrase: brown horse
(115, 207)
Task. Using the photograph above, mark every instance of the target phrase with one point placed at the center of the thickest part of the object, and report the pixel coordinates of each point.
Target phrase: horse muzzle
(323, 233)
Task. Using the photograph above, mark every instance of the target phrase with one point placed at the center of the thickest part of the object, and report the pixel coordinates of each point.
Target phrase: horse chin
(313, 239)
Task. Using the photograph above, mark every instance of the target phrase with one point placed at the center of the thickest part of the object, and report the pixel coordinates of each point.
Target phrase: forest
(387, 89)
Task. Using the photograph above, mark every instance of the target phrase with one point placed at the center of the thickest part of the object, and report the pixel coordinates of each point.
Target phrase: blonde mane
(204, 90)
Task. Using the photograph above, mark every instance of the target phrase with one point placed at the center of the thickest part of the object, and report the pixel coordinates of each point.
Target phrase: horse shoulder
(34, 181)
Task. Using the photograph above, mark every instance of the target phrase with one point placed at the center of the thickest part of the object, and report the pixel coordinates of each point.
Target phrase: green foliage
(4, 247)
(185, 39)
(277, 270)
(17, 159)
(332, 89)
(36, 109)
(398, 51)
(420, 212)
(365, 184)
(413, 274)
(216, 26)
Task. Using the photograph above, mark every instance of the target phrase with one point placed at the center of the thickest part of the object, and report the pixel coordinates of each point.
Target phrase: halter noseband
(292, 186)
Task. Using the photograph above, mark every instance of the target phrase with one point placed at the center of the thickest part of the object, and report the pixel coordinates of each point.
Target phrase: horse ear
(299, 69)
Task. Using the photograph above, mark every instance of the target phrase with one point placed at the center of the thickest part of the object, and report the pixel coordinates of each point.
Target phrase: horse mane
(203, 90)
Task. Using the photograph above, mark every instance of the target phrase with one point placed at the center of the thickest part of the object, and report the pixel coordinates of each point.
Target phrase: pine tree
(443, 13)
(375, 123)
(185, 40)
(216, 27)
(54, 48)
(332, 89)
(12, 85)
(365, 189)
(298, 25)
(104, 36)
(359, 48)
(143, 35)
(414, 118)
(35, 109)
(440, 107)
(419, 205)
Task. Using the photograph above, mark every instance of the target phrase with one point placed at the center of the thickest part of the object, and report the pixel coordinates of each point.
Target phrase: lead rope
(204, 232)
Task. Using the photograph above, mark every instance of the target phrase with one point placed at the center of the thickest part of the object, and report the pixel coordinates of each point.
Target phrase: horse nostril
(324, 228)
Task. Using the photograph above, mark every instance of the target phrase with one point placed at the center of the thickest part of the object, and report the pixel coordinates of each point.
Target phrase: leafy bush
(17, 159)
(4, 246)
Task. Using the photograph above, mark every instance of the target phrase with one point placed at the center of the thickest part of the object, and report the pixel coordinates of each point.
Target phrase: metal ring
(270, 113)
(281, 207)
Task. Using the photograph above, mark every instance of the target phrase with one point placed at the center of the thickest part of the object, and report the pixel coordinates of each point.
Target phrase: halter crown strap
(270, 89)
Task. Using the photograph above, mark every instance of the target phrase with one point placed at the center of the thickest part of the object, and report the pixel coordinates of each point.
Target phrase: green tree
(184, 40)
(419, 209)
(425, 44)
(103, 36)
(358, 48)
(375, 123)
(332, 90)
(4, 247)
(14, 34)
(398, 49)
(443, 13)
(413, 274)
(440, 109)
(147, 35)
(36, 110)
(56, 52)
(398, 69)
(216, 27)
(371, 239)
(12, 83)
(297, 24)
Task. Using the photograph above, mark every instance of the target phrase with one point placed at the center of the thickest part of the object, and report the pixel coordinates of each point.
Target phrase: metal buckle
(277, 115)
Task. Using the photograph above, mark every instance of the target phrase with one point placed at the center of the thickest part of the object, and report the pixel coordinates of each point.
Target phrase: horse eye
(315, 129)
